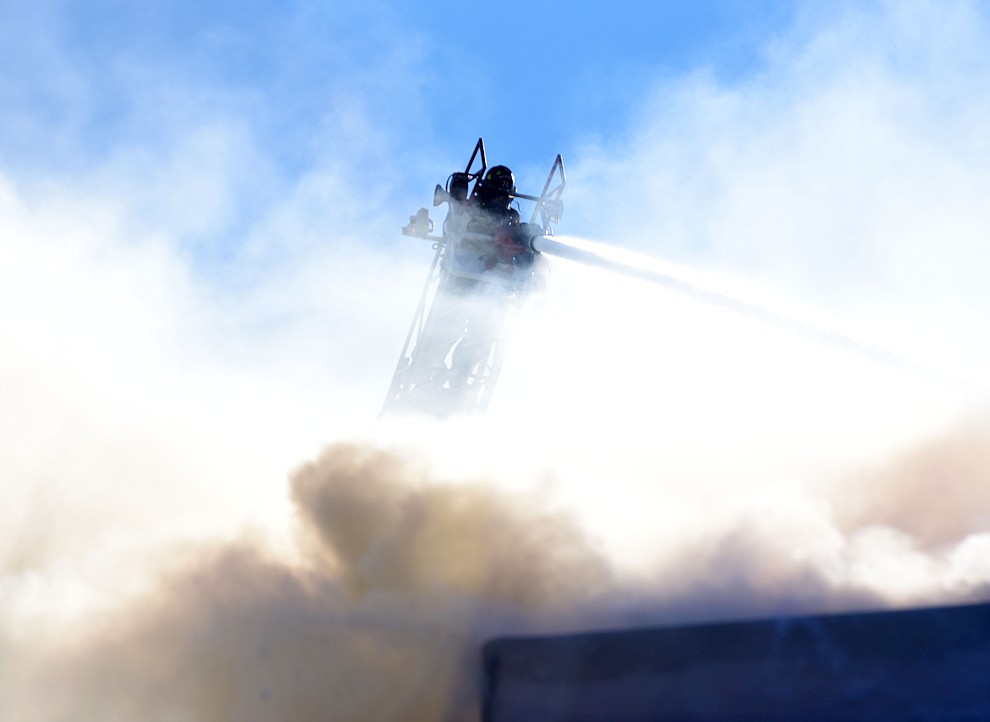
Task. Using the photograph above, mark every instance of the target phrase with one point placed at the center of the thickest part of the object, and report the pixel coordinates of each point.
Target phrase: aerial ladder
(455, 347)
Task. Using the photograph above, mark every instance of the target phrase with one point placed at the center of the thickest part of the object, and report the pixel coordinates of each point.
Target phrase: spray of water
(670, 276)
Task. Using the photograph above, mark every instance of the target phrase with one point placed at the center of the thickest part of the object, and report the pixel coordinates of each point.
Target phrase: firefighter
(494, 193)
(493, 215)
(469, 311)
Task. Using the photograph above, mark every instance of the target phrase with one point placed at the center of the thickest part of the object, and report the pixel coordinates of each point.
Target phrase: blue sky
(535, 78)
(255, 100)
(388, 97)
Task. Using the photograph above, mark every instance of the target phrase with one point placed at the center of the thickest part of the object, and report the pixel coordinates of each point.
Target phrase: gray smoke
(400, 576)
(938, 495)
(380, 618)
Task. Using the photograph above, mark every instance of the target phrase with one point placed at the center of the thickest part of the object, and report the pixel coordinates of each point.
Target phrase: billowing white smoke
(646, 458)
(379, 618)
(399, 575)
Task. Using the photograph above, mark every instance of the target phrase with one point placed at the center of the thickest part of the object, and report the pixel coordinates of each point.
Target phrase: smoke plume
(380, 617)
(938, 494)
(170, 347)
(399, 575)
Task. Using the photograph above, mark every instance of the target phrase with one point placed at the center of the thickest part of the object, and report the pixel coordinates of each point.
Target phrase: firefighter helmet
(499, 179)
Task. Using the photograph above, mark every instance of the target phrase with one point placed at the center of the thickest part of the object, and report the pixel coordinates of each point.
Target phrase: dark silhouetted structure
(918, 665)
